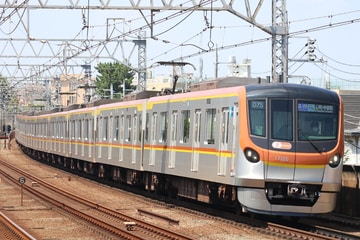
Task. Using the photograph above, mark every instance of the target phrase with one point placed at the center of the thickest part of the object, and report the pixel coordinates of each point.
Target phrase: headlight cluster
(251, 155)
(334, 161)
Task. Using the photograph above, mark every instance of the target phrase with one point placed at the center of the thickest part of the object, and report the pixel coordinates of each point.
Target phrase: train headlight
(251, 155)
(334, 161)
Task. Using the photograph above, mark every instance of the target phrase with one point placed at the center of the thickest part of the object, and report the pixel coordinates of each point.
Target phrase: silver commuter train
(219, 146)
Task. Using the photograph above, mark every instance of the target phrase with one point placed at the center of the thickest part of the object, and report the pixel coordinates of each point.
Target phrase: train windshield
(317, 121)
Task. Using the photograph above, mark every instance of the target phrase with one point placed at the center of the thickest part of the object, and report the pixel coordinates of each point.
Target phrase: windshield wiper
(300, 131)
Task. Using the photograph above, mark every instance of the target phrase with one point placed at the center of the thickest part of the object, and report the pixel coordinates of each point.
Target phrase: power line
(346, 64)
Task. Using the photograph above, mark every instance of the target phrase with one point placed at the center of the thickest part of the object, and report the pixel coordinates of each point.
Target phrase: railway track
(10, 230)
(136, 229)
(113, 222)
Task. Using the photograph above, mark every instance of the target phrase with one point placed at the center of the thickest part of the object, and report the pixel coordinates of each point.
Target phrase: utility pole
(280, 32)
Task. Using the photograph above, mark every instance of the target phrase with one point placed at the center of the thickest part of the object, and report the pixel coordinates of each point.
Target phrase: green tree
(114, 73)
(7, 93)
(8, 102)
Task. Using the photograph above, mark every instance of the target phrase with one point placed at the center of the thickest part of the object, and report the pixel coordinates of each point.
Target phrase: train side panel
(119, 134)
(194, 137)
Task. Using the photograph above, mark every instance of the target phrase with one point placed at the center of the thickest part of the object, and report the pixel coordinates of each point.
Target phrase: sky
(182, 36)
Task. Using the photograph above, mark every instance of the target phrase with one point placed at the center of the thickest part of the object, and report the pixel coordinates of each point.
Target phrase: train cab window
(282, 119)
(317, 121)
(257, 111)
(210, 120)
(163, 126)
(185, 126)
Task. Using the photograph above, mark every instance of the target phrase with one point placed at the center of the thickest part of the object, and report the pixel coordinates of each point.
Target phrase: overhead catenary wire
(87, 48)
(333, 59)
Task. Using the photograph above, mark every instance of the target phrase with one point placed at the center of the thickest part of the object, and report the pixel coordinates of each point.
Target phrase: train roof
(291, 90)
(253, 90)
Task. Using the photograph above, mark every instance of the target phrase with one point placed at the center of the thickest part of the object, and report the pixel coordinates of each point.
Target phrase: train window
(163, 126)
(128, 128)
(80, 129)
(110, 131)
(317, 121)
(64, 131)
(116, 128)
(257, 111)
(105, 128)
(97, 129)
(91, 129)
(86, 128)
(153, 127)
(174, 126)
(51, 130)
(197, 125)
(210, 120)
(147, 127)
(72, 129)
(185, 126)
(122, 128)
(139, 127)
(134, 131)
(282, 119)
(60, 126)
(225, 126)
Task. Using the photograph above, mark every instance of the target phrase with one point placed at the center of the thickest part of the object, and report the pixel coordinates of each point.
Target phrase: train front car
(292, 149)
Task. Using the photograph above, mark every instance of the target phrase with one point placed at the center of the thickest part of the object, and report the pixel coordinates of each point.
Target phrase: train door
(59, 126)
(281, 140)
(116, 132)
(105, 135)
(133, 142)
(153, 138)
(196, 141)
(121, 138)
(173, 136)
(228, 133)
(53, 133)
(71, 136)
(65, 125)
(77, 136)
(143, 133)
(110, 135)
(98, 137)
(224, 140)
(86, 146)
(82, 137)
(92, 143)
(235, 136)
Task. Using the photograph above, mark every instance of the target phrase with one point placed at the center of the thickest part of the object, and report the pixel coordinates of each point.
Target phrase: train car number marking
(281, 158)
